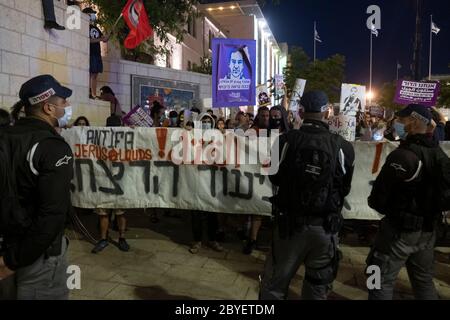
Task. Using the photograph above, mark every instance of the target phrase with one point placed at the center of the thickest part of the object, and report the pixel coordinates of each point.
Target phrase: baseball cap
(314, 101)
(416, 110)
(89, 10)
(41, 88)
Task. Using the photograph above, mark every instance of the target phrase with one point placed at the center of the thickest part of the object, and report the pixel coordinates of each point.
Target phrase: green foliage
(166, 17)
(326, 75)
(444, 98)
(205, 66)
(386, 96)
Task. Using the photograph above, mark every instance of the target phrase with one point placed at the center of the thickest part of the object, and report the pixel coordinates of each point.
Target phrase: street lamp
(370, 95)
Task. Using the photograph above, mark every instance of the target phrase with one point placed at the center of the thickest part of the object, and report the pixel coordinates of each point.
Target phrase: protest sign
(139, 117)
(297, 94)
(263, 96)
(425, 93)
(345, 126)
(279, 85)
(353, 99)
(233, 74)
(376, 111)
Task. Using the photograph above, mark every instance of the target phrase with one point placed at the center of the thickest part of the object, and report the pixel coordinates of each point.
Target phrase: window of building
(210, 37)
(192, 26)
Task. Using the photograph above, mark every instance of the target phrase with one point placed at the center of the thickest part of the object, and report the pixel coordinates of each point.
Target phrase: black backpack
(312, 162)
(437, 167)
(14, 219)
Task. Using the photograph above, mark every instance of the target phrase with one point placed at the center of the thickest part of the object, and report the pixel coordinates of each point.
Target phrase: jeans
(393, 250)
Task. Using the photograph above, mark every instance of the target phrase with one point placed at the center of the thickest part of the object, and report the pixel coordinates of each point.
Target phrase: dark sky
(342, 27)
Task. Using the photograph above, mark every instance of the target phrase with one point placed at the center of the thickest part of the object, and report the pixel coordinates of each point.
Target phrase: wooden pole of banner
(117, 21)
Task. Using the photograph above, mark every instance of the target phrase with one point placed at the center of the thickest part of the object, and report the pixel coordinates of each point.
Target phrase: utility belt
(287, 223)
(406, 222)
(301, 221)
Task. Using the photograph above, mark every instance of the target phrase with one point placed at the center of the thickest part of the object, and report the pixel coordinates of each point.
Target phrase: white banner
(130, 168)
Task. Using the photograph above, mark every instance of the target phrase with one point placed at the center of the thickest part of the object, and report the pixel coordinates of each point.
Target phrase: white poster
(279, 85)
(131, 168)
(262, 96)
(297, 94)
(345, 126)
(353, 99)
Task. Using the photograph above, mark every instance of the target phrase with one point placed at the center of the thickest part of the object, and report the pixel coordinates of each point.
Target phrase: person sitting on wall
(49, 16)
(106, 94)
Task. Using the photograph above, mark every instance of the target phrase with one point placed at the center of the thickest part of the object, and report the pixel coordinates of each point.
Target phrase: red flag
(137, 20)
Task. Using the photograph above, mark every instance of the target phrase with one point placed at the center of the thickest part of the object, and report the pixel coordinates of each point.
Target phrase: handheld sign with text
(413, 92)
(343, 125)
(138, 117)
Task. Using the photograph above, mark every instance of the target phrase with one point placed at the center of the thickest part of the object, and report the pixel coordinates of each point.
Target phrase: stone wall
(28, 50)
(117, 75)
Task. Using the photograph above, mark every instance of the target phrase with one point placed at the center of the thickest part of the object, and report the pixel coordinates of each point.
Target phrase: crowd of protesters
(416, 126)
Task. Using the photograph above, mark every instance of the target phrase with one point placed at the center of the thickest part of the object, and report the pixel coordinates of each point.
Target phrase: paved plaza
(159, 266)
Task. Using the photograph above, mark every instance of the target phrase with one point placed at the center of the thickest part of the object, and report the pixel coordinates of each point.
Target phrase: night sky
(342, 28)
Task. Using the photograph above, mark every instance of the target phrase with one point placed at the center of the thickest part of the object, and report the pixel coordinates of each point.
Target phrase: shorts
(96, 64)
(105, 212)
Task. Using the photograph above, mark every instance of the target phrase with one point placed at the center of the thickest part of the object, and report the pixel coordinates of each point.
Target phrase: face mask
(206, 126)
(64, 120)
(93, 17)
(275, 123)
(400, 130)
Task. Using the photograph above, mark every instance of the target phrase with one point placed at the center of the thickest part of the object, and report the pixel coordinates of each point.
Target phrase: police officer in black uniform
(314, 177)
(43, 166)
(405, 193)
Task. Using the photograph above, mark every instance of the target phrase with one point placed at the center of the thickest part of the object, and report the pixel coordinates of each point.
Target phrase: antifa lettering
(111, 138)
(83, 151)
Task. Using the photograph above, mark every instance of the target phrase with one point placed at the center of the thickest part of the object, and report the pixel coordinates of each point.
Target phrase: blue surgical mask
(64, 120)
(206, 126)
(400, 130)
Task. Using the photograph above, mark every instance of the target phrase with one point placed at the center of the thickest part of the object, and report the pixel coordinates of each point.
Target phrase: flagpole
(397, 70)
(370, 84)
(431, 47)
(117, 21)
(314, 42)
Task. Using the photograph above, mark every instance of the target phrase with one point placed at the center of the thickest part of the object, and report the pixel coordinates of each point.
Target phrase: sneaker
(249, 247)
(195, 248)
(123, 245)
(215, 246)
(102, 244)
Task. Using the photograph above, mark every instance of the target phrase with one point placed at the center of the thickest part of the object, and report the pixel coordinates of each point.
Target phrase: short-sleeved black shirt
(95, 33)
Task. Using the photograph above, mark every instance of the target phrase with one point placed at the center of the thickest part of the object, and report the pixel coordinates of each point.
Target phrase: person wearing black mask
(278, 119)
